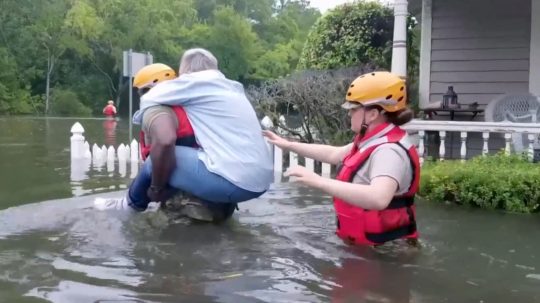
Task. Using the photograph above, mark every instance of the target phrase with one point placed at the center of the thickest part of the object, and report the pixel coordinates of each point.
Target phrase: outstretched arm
(319, 152)
(376, 195)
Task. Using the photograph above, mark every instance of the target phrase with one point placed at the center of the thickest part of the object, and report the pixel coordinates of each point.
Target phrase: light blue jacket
(225, 125)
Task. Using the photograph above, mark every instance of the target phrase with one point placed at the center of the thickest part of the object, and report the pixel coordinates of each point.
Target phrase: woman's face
(357, 118)
(360, 115)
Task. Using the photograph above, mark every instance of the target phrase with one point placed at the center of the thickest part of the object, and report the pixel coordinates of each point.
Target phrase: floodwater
(278, 248)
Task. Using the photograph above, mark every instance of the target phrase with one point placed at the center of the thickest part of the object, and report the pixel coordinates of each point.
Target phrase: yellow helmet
(151, 74)
(385, 89)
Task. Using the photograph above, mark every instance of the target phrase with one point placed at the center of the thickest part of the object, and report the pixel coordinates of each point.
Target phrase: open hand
(303, 175)
(276, 140)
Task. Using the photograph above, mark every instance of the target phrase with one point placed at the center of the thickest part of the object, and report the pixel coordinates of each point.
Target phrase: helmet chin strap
(363, 127)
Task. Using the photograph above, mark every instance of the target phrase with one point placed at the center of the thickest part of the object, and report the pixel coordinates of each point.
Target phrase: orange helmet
(384, 89)
(151, 74)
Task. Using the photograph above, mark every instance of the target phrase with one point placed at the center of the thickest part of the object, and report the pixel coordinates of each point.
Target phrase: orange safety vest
(361, 226)
(185, 135)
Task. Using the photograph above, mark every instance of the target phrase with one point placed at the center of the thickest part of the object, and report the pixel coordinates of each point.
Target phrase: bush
(509, 183)
(67, 103)
(15, 97)
(350, 34)
(313, 99)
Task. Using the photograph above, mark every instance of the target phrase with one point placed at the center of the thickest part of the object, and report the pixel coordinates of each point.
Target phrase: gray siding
(481, 47)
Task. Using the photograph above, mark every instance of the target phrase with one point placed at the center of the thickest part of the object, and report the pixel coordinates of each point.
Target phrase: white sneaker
(112, 204)
(121, 204)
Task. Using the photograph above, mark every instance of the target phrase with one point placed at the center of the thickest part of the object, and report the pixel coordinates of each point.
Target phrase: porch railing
(464, 128)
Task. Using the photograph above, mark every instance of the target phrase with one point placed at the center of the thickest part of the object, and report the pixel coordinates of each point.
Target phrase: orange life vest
(184, 133)
(360, 226)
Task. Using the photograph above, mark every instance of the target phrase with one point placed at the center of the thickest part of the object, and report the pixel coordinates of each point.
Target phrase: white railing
(294, 159)
(508, 129)
(83, 158)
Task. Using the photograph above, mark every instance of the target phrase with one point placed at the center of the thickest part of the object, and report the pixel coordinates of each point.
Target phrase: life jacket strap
(401, 202)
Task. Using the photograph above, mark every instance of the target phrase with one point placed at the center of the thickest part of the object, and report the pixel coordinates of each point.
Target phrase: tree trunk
(47, 88)
(50, 67)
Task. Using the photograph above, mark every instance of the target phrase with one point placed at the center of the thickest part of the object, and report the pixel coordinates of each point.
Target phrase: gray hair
(196, 60)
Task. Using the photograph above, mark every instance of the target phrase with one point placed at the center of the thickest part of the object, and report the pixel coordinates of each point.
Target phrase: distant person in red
(110, 109)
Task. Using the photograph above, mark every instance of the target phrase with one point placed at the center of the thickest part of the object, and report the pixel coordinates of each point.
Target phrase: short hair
(196, 60)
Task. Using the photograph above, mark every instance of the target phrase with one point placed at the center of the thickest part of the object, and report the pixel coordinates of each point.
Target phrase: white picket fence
(84, 158)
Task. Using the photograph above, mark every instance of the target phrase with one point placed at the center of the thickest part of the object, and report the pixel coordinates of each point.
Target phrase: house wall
(481, 47)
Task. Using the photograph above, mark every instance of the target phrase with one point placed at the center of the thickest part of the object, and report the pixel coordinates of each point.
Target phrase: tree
(257, 11)
(275, 63)
(13, 97)
(235, 57)
(357, 34)
(76, 46)
(350, 34)
(290, 25)
(49, 30)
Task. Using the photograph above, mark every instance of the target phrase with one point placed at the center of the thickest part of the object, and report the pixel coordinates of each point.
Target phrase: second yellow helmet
(151, 74)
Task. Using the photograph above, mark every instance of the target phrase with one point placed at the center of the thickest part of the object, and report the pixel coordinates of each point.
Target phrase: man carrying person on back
(227, 163)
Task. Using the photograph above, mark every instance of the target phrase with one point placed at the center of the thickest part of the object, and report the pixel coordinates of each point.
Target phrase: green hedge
(497, 181)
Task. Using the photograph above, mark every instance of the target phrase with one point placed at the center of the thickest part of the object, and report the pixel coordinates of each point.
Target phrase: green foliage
(360, 33)
(350, 34)
(77, 45)
(67, 103)
(234, 58)
(13, 98)
(347, 41)
(494, 182)
(276, 63)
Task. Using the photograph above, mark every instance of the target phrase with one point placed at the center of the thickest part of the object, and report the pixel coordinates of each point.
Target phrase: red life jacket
(109, 110)
(360, 226)
(184, 133)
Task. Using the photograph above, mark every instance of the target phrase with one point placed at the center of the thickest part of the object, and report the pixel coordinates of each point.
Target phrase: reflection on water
(35, 151)
(109, 129)
(278, 248)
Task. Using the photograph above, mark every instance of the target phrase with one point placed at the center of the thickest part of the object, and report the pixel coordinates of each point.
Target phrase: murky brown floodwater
(279, 248)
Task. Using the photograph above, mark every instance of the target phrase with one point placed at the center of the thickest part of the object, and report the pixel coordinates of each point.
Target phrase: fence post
(77, 141)
(278, 164)
(134, 151)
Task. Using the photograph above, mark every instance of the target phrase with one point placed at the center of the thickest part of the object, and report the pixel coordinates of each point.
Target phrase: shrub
(67, 103)
(313, 99)
(498, 181)
(350, 34)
